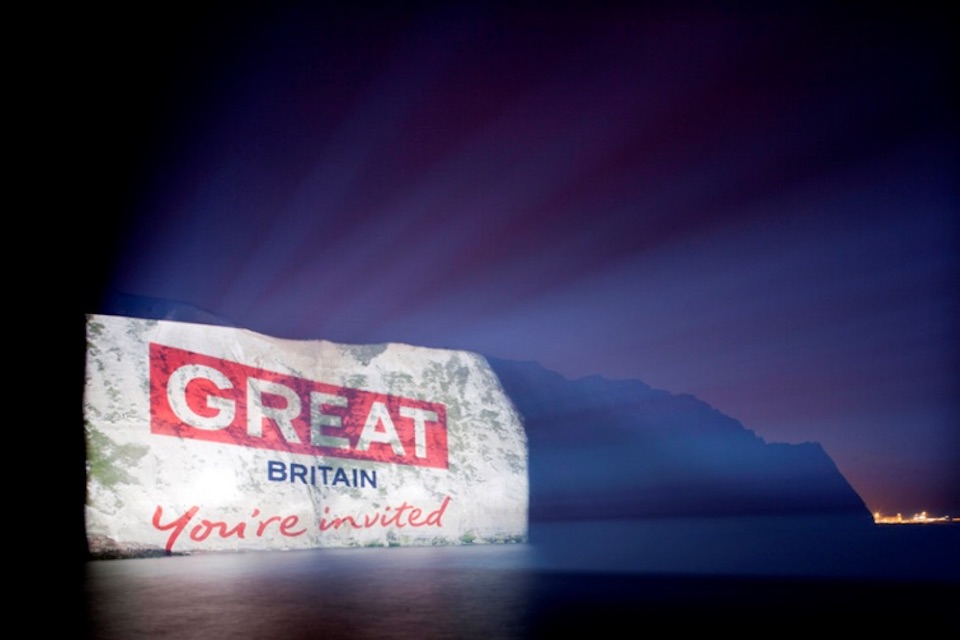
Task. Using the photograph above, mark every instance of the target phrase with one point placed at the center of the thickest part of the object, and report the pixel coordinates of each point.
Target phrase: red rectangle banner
(206, 398)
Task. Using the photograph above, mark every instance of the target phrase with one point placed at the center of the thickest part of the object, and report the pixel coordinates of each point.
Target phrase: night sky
(759, 209)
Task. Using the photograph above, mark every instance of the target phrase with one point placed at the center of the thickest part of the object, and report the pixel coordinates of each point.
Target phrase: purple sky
(757, 210)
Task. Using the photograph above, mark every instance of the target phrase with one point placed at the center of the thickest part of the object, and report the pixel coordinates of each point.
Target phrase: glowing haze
(760, 211)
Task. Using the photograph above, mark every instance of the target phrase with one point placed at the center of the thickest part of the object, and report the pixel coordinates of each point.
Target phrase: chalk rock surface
(214, 438)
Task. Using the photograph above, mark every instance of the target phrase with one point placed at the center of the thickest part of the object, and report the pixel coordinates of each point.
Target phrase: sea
(623, 578)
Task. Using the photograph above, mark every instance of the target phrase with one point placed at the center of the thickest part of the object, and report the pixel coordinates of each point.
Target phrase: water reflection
(472, 592)
(602, 576)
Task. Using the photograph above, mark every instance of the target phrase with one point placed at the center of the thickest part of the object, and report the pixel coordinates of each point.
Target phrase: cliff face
(204, 438)
(603, 448)
(619, 449)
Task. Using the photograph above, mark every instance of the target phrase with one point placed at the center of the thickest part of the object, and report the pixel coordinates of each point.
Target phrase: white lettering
(379, 415)
(319, 419)
(177, 395)
(283, 417)
(420, 417)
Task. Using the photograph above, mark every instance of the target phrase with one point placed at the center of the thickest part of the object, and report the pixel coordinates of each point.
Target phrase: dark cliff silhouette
(619, 449)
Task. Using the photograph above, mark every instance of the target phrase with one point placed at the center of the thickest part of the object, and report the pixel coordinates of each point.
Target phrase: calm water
(609, 577)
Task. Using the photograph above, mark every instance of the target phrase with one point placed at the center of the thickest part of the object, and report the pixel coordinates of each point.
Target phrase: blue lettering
(298, 471)
(276, 471)
(368, 478)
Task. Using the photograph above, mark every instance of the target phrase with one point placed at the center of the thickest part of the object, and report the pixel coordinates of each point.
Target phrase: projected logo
(203, 438)
(205, 398)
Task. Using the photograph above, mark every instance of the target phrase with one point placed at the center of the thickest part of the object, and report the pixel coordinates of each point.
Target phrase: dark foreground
(475, 592)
